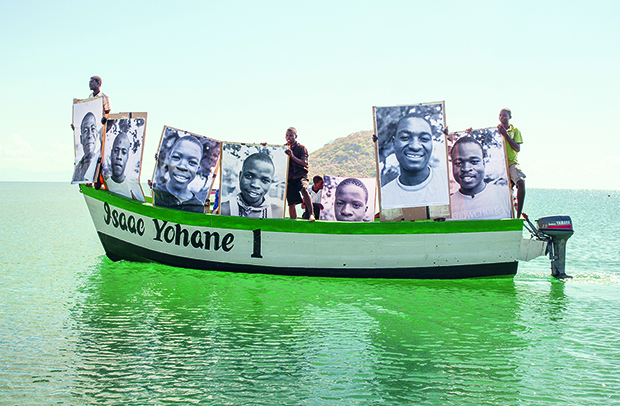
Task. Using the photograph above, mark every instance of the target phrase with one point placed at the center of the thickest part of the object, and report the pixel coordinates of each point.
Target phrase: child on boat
(315, 192)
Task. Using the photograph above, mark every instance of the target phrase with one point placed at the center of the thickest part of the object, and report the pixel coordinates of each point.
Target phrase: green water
(77, 328)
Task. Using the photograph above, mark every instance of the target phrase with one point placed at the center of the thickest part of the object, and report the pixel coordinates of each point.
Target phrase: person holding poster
(514, 140)
(95, 85)
(418, 184)
(297, 184)
(91, 145)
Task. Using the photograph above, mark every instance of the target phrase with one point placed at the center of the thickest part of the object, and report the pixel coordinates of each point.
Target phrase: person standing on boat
(255, 179)
(417, 184)
(297, 183)
(475, 199)
(513, 146)
(95, 85)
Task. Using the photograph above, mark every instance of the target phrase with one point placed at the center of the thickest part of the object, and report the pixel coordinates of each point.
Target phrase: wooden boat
(136, 231)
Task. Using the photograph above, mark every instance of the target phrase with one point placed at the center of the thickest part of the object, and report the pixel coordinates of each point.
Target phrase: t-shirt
(164, 198)
(85, 170)
(515, 134)
(434, 191)
(315, 196)
(124, 188)
(296, 171)
(492, 203)
(236, 206)
(106, 100)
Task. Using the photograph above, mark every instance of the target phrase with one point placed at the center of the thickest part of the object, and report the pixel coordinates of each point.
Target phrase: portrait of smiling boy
(185, 170)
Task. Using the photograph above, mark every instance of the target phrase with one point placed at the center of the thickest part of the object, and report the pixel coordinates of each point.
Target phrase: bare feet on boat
(311, 218)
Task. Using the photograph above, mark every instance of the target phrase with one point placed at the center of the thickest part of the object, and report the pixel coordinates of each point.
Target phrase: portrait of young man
(412, 156)
(479, 179)
(122, 155)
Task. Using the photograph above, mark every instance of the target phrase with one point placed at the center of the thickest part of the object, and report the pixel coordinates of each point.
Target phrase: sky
(244, 71)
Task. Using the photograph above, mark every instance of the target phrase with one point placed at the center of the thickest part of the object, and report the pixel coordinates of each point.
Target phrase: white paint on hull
(304, 250)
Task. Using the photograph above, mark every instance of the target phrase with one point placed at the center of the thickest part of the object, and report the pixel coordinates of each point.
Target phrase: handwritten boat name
(177, 234)
(122, 221)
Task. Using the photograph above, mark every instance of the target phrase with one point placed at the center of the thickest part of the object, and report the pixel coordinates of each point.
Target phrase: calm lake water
(77, 328)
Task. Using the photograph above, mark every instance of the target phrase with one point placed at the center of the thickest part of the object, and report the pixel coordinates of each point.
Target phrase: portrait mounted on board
(253, 180)
(122, 154)
(348, 199)
(479, 181)
(186, 167)
(411, 162)
(87, 138)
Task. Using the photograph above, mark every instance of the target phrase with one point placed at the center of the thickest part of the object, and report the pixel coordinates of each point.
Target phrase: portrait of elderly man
(91, 147)
(418, 183)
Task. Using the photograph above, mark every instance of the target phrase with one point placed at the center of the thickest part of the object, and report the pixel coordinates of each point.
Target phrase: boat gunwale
(301, 226)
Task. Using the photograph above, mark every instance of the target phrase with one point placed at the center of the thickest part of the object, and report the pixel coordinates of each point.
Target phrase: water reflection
(150, 331)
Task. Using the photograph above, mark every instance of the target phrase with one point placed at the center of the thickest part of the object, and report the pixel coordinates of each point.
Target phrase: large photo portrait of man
(348, 198)
(122, 154)
(253, 180)
(411, 156)
(87, 138)
(479, 181)
(186, 167)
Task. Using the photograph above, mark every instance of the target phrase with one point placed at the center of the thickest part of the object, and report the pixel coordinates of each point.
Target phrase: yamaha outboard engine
(557, 230)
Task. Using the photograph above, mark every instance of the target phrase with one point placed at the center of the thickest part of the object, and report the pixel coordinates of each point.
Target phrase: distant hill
(353, 155)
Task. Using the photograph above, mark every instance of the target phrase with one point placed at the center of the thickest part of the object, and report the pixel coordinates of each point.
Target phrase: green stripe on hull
(302, 226)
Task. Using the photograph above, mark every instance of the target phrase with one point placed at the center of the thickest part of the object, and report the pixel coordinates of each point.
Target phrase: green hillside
(353, 155)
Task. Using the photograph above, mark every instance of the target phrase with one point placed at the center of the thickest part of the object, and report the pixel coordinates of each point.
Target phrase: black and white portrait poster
(348, 199)
(479, 183)
(87, 138)
(186, 167)
(122, 154)
(412, 167)
(253, 180)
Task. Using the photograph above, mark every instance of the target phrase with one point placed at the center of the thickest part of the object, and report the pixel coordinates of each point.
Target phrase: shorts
(293, 190)
(516, 174)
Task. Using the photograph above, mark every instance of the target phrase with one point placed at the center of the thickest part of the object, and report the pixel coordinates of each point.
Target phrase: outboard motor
(556, 230)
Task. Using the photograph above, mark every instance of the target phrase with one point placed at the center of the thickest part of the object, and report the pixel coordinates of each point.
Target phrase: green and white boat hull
(135, 231)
